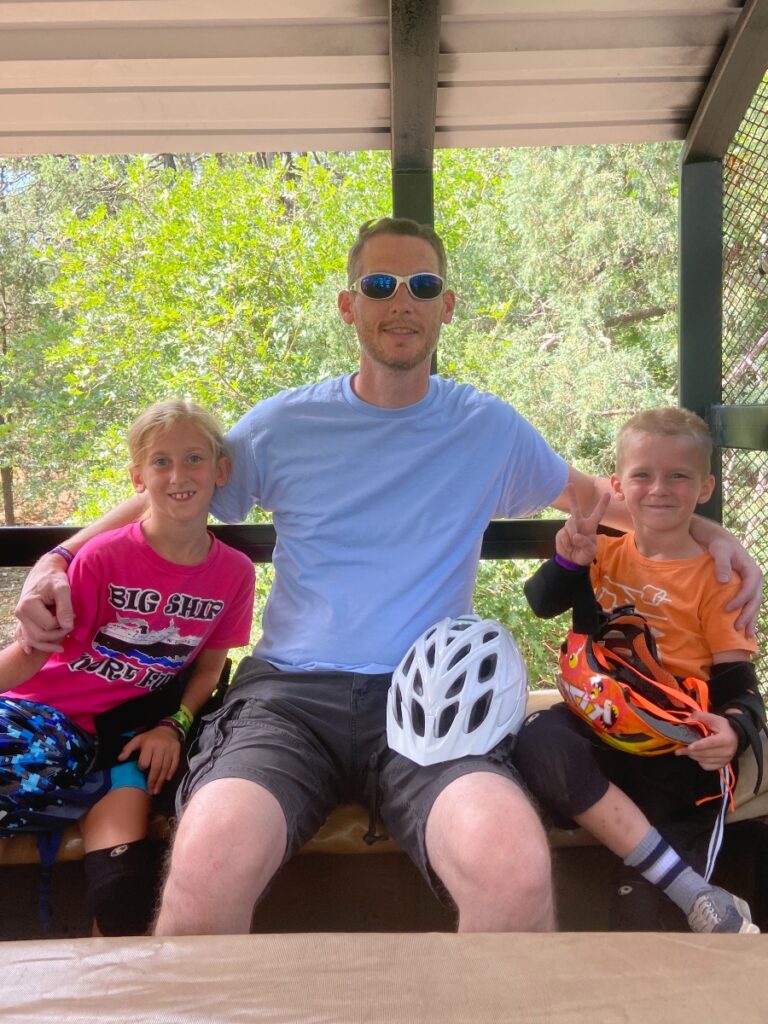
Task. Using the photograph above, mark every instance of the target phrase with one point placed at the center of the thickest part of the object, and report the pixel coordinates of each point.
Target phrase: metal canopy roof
(111, 76)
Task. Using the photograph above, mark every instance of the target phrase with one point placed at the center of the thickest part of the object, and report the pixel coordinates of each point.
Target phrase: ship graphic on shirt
(134, 639)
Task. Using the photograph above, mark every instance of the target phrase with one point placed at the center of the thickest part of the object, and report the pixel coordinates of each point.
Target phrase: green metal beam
(731, 87)
(414, 27)
(729, 93)
(413, 195)
(740, 426)
(700, 297)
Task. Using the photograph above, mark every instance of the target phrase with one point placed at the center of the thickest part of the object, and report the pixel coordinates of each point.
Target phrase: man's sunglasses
(384, 286)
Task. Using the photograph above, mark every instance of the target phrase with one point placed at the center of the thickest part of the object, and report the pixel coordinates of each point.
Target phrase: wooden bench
(345, 827)
(339, 882)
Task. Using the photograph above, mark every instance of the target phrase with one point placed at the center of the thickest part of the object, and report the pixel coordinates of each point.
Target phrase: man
(381, 485)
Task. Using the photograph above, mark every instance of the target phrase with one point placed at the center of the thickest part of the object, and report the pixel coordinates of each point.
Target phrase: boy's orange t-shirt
(681, 600)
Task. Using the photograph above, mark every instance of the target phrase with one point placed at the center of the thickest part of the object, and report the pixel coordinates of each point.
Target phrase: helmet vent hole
(446, 719)
(456, 686)
(430, 653)
(487, 637)
(487, 668)
(418, 684)
(408, 662)
(417, 718)
(462, 653)
(398, 708)
(479, 711)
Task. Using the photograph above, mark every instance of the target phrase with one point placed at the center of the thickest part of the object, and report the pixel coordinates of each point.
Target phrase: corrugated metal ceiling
(264, 75)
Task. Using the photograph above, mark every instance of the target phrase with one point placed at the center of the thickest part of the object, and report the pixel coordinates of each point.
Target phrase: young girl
(150, 599)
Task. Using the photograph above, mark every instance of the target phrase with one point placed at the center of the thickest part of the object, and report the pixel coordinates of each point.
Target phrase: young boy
(150, 599)
(644, 809)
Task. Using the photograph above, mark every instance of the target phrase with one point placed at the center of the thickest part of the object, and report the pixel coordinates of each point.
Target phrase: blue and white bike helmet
(460, 689)
(46, 768)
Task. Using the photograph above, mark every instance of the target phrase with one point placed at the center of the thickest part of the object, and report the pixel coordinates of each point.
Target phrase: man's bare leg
(488, 847)
(231, 840)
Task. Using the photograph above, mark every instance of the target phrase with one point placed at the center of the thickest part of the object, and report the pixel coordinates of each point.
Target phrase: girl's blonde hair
(667, 421)
(161, 416)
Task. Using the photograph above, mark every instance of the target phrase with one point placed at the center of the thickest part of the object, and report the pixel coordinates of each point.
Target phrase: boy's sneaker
(716, 910)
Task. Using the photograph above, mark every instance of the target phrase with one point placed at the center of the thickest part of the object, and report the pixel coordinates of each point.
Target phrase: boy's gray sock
(657, 862)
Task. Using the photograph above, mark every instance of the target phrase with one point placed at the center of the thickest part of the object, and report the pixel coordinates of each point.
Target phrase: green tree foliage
(201, 283)
(36, 195)
(573, 317)
(216, 279)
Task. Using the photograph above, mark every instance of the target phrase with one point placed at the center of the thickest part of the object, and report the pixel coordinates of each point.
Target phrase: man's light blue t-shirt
(379, 513)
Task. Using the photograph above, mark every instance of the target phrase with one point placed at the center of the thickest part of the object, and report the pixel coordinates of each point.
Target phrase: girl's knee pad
(120, 884)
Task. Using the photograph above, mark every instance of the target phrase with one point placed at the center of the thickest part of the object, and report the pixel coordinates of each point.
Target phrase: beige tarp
(645, 978)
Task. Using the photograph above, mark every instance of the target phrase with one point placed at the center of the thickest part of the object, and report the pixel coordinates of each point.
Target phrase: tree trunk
(6, 474)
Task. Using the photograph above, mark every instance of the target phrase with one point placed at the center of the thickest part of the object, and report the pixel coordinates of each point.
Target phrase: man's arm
(729, 557)
(44, 610)
(728, 554)
(588, 491)
(563, 582)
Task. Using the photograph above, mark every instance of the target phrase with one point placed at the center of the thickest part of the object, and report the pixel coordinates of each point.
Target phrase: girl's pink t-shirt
(140, 619)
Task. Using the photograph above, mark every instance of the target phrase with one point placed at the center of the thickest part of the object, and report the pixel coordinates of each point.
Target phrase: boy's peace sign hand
(577, 541)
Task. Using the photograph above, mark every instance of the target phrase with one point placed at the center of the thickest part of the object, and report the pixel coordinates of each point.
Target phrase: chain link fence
(745, 326)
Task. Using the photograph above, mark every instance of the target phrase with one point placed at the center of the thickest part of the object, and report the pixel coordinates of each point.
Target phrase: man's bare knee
(487, 845)
(230, 841)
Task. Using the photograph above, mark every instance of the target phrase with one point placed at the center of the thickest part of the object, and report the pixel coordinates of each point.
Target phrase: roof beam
(414, 47)
(731, 87)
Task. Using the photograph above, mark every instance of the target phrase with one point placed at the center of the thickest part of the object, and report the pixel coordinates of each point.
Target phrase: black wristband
(740, 727)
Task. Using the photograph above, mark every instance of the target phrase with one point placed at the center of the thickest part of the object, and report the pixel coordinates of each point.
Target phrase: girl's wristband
(183, 717)
(169, 723)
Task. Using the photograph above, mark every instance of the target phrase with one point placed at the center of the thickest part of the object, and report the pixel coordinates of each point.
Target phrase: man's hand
(577, 539)
(715, 750)
(159, 753)
(729, 557)
(44, 610)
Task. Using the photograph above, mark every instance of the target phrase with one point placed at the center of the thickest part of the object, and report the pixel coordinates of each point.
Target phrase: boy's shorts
(318, 739)
(567, 767)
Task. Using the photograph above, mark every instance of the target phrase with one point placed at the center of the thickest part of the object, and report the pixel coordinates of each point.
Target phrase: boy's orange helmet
(616, 683)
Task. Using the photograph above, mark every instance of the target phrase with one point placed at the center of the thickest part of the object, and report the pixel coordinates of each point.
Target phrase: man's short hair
(159, 418)
(395, 226)
(667, 421)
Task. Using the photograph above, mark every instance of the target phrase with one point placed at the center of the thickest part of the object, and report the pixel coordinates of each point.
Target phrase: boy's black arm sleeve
(734, 684)
(735, 694)
(553, 590)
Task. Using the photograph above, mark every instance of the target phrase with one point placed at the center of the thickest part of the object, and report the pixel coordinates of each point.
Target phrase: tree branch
(634, 317)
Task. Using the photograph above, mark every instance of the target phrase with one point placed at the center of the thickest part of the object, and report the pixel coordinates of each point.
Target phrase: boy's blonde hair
(161, 416)
(668, 421)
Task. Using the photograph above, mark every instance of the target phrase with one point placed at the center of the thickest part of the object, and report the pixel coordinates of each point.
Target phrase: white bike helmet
(460, 689)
